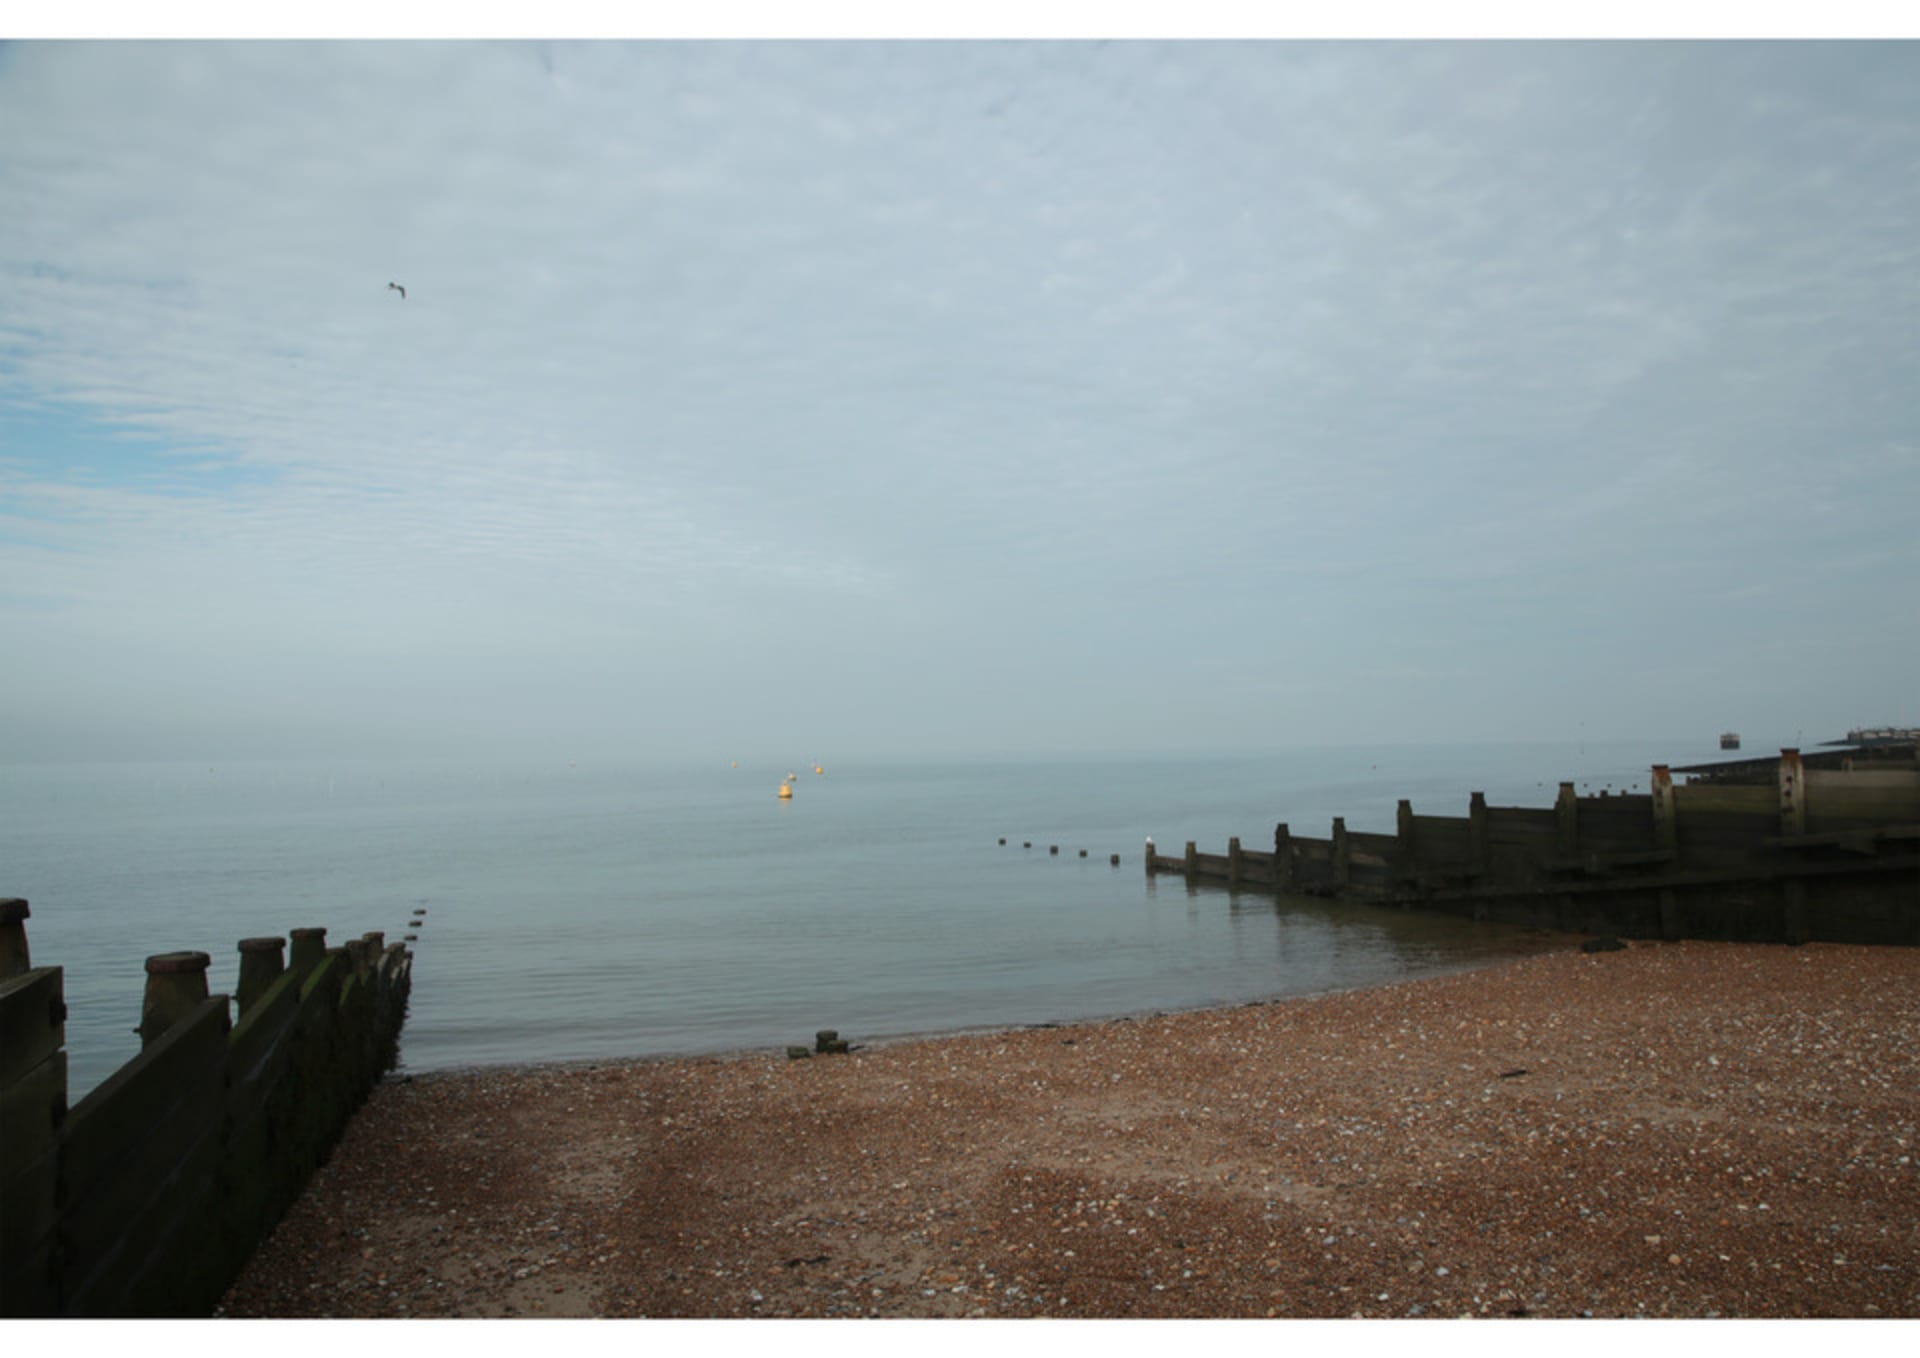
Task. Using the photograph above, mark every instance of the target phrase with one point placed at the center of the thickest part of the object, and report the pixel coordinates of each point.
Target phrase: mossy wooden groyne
(1777, 852)
(147, 1197)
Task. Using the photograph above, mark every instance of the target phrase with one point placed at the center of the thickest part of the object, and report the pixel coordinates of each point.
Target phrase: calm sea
(596, 911)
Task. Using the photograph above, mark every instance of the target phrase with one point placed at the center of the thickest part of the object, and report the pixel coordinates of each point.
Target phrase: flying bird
(397, 288)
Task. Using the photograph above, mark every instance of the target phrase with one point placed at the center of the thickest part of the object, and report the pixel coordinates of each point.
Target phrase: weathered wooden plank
(1521, 825)
(27, 1186)
(121, 1113)
(1895, 781)
(1868, 839)
(1441, 841)
(31, 1108)
(33, 1020)
(1380, 846)
(155, 1264)
(1840, 804)
(27, 1209)
(1624, 822)
(259, 1179)
(96, 1206)
(1726, 799)
(1715, 835)
(261, 1036)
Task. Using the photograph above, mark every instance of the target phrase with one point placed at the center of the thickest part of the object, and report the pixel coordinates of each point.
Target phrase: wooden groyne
(1780, 850)
(147, 1197)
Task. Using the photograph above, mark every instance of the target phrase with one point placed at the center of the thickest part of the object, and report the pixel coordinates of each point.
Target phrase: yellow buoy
(818, 769)
(786, 791)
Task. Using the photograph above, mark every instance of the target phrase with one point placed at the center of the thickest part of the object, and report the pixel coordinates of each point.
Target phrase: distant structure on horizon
(1729, 740)
(1881, 735)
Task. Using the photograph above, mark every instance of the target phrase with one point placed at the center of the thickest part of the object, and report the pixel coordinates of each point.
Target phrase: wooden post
(1793, 799)
(1566, 811)
(1193, 860)
(335, 968)
(260, 967)
(1233, 861)
(33, 1104)
(309, 946)
(176, 986)
(15, 958)
(1480, 841)
(1342, 854)
(1666, 831)
(1406, 847)
(1794, 921)
(1282, 857)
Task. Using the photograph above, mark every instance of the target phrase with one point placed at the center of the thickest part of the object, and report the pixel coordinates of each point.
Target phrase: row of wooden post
(1793, 821)
(206, 1135)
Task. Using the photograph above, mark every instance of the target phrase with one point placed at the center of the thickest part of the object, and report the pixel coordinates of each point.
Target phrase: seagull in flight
(397, 288)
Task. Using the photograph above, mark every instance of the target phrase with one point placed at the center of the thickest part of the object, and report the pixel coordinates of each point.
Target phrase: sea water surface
(583, 910)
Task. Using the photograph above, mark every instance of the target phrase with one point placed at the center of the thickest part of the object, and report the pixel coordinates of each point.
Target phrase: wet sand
(1673, 1130)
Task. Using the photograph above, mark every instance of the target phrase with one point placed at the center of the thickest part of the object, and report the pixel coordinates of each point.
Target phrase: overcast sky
(834, 400)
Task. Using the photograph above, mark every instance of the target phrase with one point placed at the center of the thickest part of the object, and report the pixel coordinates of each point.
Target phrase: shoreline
(1550, 941)
(1676, 1129)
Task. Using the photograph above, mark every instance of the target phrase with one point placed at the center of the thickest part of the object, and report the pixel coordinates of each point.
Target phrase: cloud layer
(913, 396)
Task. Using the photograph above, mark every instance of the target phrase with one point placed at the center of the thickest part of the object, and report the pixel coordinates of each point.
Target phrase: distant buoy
(736, 763)
(786, 792)
(818, 769)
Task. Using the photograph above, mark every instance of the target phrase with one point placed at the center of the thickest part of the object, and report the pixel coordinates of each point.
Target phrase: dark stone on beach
(798, 1053)
(1608, 944)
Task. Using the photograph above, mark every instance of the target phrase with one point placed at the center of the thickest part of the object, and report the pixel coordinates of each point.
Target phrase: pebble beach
(1671, 1130)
